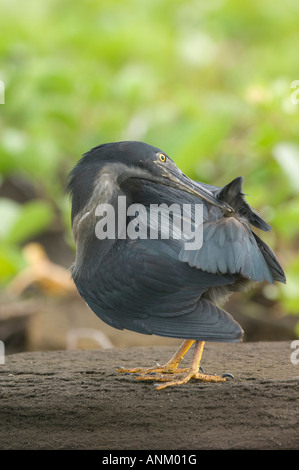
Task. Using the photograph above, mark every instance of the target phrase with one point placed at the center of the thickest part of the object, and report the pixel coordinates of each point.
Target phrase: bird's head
(111, 165)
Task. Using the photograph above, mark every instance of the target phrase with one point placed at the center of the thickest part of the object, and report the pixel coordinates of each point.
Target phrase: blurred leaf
(287, 155)
(11, 262)
(285, 219)
(289, 292)
(9, 213)
(20, 222)
(34, 217)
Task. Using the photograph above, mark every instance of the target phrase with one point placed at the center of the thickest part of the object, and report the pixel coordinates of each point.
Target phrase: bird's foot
(167, 373)
(170, 374)
(184, 378)
(164, 373)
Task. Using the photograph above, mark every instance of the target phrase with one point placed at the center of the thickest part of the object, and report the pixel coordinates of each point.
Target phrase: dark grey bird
(157, 284)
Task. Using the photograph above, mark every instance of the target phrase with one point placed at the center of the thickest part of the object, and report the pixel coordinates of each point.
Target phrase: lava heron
(137, 269)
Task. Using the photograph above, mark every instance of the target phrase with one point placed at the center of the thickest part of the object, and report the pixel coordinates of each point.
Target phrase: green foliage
(208, 82)
(21, 222)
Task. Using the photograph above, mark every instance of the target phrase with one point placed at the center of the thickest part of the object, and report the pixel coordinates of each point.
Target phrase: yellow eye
(162, 157)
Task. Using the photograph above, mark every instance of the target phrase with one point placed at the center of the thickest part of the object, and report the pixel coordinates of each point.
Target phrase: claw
(227, 374)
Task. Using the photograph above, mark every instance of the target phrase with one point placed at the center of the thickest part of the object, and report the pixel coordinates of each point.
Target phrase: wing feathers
(229, 247)
(206, 322)
(233, 195)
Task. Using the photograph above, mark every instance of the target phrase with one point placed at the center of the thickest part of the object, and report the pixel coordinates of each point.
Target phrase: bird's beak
(183, 183)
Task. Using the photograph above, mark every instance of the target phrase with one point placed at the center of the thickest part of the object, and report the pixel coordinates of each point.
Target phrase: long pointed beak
(183, 183)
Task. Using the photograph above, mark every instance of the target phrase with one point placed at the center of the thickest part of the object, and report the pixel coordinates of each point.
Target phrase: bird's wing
(230, 246)
(232, 193)
(147, 289)
(275, 267)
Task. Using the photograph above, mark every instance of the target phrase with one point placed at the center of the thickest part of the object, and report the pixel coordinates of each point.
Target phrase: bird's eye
(162, 157)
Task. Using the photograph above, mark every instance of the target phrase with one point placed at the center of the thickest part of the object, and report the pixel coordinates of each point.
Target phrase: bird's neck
(107, 200)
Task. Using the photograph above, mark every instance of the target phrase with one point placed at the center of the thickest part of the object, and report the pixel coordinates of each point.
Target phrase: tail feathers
(233, 195)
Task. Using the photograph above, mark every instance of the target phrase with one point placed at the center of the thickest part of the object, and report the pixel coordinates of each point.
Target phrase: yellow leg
(192, 372)
(166, 373)
(171, 367)
(173, 363)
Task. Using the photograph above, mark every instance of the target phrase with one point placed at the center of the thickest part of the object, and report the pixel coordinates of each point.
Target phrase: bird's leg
(193, 371)
(171, 367)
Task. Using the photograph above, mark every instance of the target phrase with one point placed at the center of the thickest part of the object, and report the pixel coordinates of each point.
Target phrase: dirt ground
(74, 399)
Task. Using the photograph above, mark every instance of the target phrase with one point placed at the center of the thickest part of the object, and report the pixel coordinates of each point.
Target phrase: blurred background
(211, 83)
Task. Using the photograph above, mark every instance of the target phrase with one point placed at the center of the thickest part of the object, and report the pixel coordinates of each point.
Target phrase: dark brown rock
(75, 400)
